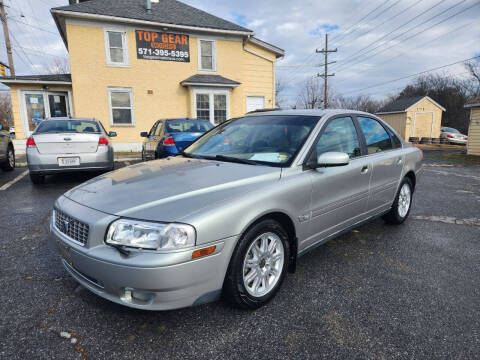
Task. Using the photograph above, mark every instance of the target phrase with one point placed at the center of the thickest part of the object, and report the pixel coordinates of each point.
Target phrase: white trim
(415, 121)
(126, 62)
(187, 83)
(214, 54)
(429, 98)
(391, 112)
(468, 106)
(34, 82)
(109, 99)
(272, 48)
(145, 22)
(210, 93)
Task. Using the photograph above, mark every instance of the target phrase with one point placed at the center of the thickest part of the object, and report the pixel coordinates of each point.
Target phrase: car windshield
(176, 126)
(68, 126)
(450, 130)
(269, 139)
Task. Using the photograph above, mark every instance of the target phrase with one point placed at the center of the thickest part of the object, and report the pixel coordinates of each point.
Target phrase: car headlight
(149, 235)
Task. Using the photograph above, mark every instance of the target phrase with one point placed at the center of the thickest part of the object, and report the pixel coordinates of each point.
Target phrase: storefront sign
(153, 45)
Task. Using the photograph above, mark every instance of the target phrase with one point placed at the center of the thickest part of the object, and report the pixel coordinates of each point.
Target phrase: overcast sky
(377, 41)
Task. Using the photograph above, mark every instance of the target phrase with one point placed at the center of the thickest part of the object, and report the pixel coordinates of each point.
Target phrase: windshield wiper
(234, 159)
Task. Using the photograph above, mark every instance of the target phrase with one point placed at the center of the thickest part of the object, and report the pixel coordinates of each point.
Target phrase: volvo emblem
(64, 225)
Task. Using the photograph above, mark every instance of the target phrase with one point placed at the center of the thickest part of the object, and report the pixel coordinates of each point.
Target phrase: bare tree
(279, 90)
(60, 66)
(6, 119)
(360, 102)
(311, 95)
(473, 84)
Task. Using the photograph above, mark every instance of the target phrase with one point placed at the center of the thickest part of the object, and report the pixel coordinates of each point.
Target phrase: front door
(387, 163)
(58, 104)
(339, 194)
(212, 105)
(423, 124)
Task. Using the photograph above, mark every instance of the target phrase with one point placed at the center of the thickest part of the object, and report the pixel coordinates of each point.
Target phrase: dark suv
(7, 153)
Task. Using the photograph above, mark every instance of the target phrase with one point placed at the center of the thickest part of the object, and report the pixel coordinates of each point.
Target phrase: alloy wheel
(263, 264)
(404, 200)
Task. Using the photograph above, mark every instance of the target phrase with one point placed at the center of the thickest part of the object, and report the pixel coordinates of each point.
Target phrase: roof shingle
(165, 11)
(209, 79)
(400, 104)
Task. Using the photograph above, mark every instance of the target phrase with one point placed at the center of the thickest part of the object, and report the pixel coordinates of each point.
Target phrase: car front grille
(73, 228)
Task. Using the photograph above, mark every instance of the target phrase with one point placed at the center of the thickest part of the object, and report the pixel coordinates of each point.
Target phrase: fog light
(203, 252)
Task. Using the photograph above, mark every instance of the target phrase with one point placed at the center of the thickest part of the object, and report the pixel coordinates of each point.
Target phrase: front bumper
(48, 163)
(143, 280)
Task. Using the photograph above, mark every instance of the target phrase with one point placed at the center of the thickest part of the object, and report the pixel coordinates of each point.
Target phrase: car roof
(309, 112)
(70, 118)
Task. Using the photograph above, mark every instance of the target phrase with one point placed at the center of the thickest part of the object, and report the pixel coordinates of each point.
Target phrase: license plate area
(68, 161)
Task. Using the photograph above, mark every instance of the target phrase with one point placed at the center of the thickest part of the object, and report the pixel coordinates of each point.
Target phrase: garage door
(255, 103)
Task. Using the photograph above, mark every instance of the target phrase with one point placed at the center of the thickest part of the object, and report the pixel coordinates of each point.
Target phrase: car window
(339, 135)
(397, 143)
(175, 126)
(450, 130)
(268, 139)
(152, 130)
(158, 130)
(67, 126)
(376, 136)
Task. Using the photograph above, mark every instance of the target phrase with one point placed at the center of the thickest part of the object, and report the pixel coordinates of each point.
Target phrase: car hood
(170, 189)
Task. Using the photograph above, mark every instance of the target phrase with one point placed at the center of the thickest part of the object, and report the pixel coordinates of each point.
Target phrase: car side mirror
(332, 158)
(112, 134)
(144, 134)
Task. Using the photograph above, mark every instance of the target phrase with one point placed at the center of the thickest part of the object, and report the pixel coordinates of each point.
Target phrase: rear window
(176, 126)
(68, 126)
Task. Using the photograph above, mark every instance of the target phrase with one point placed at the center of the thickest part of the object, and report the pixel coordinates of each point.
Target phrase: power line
(359, 21)
(412, 75)
(33, 26)
(345, 60)
(415, 47)
(409, 37)
(379, 14)
(387, 20)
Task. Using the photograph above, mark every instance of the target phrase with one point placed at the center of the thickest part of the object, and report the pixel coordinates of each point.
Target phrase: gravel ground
(409, 291)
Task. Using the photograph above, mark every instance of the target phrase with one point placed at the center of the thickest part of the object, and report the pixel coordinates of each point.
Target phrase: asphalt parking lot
(409, 291)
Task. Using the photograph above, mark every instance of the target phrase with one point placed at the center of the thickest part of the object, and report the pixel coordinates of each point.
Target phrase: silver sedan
(235, 210)
(68, 144)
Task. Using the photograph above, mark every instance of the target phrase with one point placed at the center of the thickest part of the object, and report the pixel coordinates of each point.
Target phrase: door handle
(364, 169)
(399, 161)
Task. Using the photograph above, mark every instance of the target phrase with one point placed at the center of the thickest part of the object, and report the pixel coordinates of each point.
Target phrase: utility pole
(325, 74)
(7, 39)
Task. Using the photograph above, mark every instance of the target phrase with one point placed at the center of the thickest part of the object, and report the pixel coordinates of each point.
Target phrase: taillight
(31, 142)
(102, 141)
(450, 136)
(169, 141)
(466, 137)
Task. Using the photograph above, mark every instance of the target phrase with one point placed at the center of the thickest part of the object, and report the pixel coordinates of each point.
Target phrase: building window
(121, 106)
(212, 105)
(116, 48)
(207, 55)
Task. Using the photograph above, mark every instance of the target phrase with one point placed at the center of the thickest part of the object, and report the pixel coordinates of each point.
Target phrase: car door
(149, 144)
(340, 193)
(386, 158)
(3, 146)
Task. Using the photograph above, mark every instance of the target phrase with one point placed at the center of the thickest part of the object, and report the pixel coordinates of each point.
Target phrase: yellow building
(414, 117)
(473, 145)
(131, 66)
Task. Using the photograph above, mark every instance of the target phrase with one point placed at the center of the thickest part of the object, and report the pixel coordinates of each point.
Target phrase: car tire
(9, 163)
(402, 204)
(37, 179)
(258, 265)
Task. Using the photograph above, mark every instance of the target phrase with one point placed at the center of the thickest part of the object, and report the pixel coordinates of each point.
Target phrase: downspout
(265, 58)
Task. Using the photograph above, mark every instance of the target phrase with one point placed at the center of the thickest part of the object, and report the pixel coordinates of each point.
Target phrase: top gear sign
(152, 45)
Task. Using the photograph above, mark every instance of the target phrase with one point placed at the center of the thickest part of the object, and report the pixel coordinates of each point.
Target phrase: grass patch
(456, 158)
